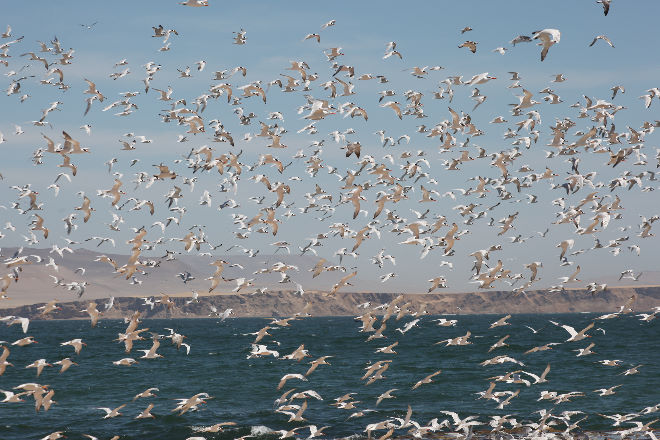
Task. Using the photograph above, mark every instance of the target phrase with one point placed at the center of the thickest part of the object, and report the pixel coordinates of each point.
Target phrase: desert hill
(286, 303)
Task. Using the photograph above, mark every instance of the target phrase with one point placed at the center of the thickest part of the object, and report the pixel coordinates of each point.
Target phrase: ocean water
(244, 390)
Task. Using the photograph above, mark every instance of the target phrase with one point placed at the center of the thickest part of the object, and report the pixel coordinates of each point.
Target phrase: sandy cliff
(285, 303)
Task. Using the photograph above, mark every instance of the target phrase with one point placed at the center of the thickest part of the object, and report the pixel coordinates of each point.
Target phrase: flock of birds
(372, 190)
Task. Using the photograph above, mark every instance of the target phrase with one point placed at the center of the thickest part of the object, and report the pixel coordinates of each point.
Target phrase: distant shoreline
(285, 304)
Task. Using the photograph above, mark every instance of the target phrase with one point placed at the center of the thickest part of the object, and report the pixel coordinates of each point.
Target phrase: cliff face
(284, 303)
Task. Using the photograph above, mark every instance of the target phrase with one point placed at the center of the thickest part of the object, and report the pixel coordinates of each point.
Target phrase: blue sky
(426, 35)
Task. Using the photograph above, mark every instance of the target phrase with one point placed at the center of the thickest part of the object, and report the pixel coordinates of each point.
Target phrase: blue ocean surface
(243, 390)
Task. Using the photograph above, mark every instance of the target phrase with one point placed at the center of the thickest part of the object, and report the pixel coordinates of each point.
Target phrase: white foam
(260, 430)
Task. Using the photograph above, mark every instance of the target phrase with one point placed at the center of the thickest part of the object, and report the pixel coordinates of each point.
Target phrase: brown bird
(270, 220)
(39, 364)
(427, 379)
(114, 192)
(353, 148)
(65, 364)
(146, 413)
(38, 225)
(318, 268)
(92, 90)
(72, 146)
(3, 360)
(164, 172)
(77, 344)
(315, 364)
(359, 238)
(286, 377)
(355, 199)
(268, 158)
(437, 282)
(67, 164)
(394, 105)
(500, 322)
(48, 308)
(317, 37)
(86, 208)
(606, 5)
(472, 45)
(343, 282)
(92, 312)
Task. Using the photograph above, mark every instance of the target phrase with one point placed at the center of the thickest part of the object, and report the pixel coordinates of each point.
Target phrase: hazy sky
(426, 35)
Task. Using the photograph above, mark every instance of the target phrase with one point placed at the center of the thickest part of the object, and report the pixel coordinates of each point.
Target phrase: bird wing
(587, 328)
(571, 331)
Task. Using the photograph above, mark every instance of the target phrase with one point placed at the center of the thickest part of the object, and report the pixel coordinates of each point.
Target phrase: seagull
(24, 322)
(606, 5)
(65, 364)
(289, 376)
(575, 335)
(110, 413)
(11, 397)
(125, 361)
(606, 391)
(471, 45)
(520, 39)
(548, 38)
(386, 395)
(77, 344)
(539, 379)
(146, 413)
(195, 3)
(500, 322)
(601, 37)
(633, 370)
(39, 364)
(586, 350)
(146, 393)
(426, 380)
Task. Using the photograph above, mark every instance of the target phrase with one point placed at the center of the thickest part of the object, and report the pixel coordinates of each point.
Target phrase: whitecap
(260, 430)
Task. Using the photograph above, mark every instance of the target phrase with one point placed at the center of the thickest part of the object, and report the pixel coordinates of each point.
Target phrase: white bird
(548, 38)
(586, 350)
(77, 344)
(39, 364)
(24, 322)
(387, 276)
(408, 326)
(575, 335)
(286, 377)
(110, 413)
(601, 37)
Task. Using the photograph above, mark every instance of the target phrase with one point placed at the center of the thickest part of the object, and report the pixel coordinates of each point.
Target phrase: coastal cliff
(286, 303)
